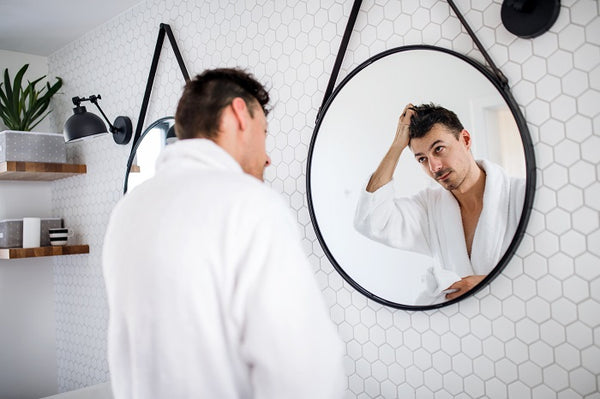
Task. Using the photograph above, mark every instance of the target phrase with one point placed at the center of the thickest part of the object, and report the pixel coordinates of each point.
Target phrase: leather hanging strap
(503, 81)
(501, 78)
(340, 55)
(164, 28)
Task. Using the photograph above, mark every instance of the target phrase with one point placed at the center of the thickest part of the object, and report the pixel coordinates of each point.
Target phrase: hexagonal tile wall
(534, 332)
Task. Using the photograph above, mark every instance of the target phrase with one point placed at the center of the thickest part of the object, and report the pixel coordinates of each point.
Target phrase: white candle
(31, 232)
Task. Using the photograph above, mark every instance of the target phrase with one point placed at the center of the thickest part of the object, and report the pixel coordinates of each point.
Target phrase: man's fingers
(459, 286)
(453, 295)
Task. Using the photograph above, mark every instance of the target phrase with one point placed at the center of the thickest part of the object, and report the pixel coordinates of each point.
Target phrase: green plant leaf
(23, 108)
(3, 99)
(39, 105)
(40, 120)
(7, 84)
(11, 107)
(16, 88)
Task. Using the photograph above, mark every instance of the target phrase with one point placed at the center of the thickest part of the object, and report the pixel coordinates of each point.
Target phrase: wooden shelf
(17, 253)
(39, 171)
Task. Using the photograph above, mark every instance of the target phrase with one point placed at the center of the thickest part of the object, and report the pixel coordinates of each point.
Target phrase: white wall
(27, 327)
(534, 332)
(27, 338)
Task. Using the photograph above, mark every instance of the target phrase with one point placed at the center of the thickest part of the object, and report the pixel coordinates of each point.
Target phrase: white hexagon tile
(533, 333)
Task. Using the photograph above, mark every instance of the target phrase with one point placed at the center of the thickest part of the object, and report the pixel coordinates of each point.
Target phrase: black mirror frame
(137, 144)
(530, 171)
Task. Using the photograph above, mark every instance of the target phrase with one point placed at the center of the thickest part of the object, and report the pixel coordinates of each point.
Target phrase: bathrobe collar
(196, 153)
(488, 240)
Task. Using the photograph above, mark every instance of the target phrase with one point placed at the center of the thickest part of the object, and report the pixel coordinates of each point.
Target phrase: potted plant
(22, 108)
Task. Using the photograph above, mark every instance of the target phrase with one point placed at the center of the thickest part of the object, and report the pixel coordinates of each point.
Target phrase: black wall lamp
(83, 124)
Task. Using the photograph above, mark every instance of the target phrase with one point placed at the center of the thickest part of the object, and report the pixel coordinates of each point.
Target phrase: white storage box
(11, 232)
(32, 147)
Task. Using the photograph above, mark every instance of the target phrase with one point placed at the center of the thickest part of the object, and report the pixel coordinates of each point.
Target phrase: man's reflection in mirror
(465, 224)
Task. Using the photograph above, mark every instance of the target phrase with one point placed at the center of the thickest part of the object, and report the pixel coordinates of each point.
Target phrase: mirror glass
(157, 136)
(355, 131)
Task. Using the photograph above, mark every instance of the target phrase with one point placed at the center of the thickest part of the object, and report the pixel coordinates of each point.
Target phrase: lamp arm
(94, 100)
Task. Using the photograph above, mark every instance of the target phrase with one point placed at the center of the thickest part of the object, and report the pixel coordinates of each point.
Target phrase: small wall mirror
(152, 141)
(356, 129)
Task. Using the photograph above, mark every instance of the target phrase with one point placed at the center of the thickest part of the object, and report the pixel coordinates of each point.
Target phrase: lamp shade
(83, 124)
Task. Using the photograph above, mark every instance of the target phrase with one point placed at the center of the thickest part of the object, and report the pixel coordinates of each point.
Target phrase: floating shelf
(39, 171)
(17, 253)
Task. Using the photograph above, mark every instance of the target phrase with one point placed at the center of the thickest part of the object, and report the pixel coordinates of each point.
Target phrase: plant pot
(32, 147)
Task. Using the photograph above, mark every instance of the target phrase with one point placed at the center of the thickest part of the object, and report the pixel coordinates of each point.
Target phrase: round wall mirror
(354, 132)
(141, 163)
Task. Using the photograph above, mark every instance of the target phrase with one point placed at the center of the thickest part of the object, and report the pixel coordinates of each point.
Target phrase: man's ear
(466, 137)
(240, 112)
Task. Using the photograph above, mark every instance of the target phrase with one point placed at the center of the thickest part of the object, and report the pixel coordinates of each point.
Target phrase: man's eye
(439, 148)
(421, 159)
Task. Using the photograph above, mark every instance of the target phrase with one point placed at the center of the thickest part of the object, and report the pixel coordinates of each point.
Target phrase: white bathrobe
(210, 293)
(430, 223)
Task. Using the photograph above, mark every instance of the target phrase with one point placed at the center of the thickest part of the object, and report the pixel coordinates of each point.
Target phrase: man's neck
(470, 193)
(470, 201)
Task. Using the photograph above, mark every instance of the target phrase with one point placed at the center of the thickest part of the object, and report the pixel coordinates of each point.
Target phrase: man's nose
(434, 164)
(268, 162)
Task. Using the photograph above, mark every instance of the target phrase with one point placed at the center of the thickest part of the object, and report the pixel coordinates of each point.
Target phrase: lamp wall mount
(529, 18)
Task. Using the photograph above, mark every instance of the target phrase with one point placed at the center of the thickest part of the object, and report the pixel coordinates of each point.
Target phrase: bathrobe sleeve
(397, 222)
(288, 338)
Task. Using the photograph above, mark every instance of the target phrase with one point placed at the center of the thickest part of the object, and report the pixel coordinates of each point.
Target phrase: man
(466, 226)
(209, 291)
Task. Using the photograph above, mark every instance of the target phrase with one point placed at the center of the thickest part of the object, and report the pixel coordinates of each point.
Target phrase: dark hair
(204, 98)
(427, 115)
